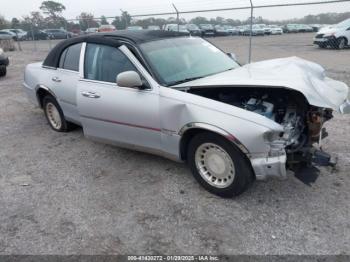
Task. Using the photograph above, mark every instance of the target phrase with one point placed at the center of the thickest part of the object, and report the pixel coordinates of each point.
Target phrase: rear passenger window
(104, 63)
(70, 58)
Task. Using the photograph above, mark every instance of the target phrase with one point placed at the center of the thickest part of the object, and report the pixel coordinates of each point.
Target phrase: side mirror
(129, 79)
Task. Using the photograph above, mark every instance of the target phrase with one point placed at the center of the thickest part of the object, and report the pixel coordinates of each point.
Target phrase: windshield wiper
(184, 80)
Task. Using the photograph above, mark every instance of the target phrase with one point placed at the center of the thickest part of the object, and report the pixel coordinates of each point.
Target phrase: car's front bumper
(325, 41)
(269, 166)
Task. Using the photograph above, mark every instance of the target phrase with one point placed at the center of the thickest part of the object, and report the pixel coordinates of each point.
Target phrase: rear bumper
(4, 61)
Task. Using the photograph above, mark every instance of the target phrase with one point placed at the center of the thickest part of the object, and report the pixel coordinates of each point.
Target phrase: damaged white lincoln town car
(183, 98)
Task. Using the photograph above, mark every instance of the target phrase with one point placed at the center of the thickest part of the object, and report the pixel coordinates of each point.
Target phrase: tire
(3, 70)
(54, 115)
(225, 171)
(341, 43)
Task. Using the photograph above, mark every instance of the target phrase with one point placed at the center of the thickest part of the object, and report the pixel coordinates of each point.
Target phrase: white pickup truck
(336, 36)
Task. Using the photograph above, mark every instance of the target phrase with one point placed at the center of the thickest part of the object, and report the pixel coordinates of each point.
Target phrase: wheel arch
(41, 92)
(188, 131)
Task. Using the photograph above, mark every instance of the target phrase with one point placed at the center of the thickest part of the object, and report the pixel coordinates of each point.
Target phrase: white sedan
(183, 98)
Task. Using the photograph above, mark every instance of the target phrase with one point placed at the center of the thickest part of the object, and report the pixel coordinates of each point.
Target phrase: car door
(126, 116)
(65, 81)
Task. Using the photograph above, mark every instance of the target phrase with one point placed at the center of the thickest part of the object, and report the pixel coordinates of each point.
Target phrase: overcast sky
(18, 8)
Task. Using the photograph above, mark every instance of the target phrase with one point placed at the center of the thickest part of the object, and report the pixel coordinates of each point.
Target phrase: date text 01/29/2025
(173, 258)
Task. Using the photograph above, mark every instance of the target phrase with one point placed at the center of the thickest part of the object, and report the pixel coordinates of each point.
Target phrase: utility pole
(177, 18)
(125, 19)
(251, 31)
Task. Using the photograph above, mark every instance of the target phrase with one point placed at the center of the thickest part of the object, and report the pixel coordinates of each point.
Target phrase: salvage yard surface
(63, 194)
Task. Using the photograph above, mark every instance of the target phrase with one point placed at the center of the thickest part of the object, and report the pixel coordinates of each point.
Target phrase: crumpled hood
(293, 73)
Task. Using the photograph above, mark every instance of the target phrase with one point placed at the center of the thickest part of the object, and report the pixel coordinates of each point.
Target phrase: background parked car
(256, 30)
(8, 35)
(290, 28)
(58, 33)
(276, 30)
(153, 27)
(207, 29)
(19, 33)
(4, 62)
(176, 28)
(135, 27)
(266, 29)
(91, 30)
(336, 36)
(107, 28)
(193, 29)
(304, 28)
(231, 30)
(220, 31)
(37, 35)
(241, 29)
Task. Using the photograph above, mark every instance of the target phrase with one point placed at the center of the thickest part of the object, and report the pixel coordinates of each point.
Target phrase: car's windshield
(183, 59)
(343, 24)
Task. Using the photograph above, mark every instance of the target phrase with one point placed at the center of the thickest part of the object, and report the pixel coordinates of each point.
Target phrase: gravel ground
(63, 194)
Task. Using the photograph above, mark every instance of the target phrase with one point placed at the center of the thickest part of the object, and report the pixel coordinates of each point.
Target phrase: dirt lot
(63, 194)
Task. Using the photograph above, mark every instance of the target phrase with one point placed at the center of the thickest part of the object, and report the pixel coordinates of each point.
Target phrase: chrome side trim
(45, 88)
(217, 130)
(82, 60)
(49, 67)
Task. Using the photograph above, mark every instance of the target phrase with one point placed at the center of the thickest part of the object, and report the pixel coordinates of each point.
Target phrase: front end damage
(292, 92)
(302, 125)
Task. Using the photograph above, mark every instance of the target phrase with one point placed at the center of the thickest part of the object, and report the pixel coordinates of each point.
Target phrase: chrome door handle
(56, 79)
(90, 94)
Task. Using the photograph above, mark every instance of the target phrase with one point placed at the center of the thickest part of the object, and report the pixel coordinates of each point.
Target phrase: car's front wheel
(54, 115)
(3, 70)
(219, 166)
(341, 43)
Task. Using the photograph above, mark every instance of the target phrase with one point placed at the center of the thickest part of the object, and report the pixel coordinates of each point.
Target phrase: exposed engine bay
(302, 123)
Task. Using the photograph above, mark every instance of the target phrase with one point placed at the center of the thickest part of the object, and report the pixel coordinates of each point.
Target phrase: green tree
(86, 20)
(199, 20)
(15, 23)
(123, 21)
(126, 19)
(52, 9)
(34, 20)
(104, 20)
(117, 22)
(3, 22)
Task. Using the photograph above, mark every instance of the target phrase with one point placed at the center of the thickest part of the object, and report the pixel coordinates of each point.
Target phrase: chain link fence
(239, 21)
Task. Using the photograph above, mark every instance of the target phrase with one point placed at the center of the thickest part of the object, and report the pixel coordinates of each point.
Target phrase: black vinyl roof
(109, 38)
(142, 36)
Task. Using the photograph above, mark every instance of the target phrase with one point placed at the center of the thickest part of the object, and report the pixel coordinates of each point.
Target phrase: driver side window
(104, 63)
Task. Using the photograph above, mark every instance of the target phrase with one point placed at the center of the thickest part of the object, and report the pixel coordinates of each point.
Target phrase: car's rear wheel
(219, 166)
(3, 70)
(54, 115)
